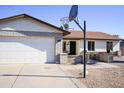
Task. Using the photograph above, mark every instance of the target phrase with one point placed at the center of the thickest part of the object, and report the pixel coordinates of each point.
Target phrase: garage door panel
(26, 50)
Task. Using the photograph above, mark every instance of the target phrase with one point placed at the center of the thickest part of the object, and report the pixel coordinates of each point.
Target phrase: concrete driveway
(34, 76)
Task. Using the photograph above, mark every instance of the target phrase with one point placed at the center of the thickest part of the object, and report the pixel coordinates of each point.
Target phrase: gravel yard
(102, 77)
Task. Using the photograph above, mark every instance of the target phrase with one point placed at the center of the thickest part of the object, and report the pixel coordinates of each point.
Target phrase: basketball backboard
(73, 12)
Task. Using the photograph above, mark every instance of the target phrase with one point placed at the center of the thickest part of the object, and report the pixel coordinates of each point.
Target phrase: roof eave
(25, 15)
(93, 39)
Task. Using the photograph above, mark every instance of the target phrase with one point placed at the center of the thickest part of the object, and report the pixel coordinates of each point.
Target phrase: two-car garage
(26, 39)
(27, 49)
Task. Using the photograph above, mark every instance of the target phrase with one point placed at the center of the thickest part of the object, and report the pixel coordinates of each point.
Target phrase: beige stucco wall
(58, 47)
(100, 45)
(26, 24)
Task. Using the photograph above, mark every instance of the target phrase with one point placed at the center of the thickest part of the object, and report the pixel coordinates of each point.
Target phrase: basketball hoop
(73, 13)
(65, 23)
(73, 17)
(64, 20)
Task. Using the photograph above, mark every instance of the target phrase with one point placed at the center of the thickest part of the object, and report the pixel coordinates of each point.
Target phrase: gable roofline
(26, 15)
(91, 36)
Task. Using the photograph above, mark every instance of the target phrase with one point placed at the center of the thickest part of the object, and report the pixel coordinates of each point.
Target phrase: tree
(66, 26)
(61, 27)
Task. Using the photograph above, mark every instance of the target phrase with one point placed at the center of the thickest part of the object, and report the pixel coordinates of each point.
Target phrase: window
(91, 46)
(64, 46)
(109, 47)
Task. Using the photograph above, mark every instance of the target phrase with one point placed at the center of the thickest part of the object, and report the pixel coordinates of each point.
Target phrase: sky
(108, 19)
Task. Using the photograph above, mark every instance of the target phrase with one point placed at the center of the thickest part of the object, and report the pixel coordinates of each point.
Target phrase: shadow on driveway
(117, 62)
(40, 76)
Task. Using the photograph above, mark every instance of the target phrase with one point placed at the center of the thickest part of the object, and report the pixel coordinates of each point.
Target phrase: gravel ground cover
(102, 77)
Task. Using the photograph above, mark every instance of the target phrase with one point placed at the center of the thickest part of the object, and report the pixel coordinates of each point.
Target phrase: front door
(72, 48)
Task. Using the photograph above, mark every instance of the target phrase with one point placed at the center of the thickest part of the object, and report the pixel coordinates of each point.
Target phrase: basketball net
(64, 20)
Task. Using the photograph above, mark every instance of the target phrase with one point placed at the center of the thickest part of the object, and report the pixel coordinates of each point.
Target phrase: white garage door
(26, 50)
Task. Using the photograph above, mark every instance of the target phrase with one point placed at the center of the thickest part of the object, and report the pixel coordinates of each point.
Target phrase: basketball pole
(84, 31)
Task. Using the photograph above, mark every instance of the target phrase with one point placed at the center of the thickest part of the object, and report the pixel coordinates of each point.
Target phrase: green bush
(93, 56)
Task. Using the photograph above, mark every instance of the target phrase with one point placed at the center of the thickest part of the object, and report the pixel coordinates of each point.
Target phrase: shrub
(94, 56)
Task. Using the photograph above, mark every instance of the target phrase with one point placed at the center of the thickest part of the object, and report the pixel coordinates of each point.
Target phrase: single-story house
(25, 39)
(95, 42)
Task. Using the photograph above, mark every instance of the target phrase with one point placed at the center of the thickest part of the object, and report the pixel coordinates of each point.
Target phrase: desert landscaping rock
(103, 77)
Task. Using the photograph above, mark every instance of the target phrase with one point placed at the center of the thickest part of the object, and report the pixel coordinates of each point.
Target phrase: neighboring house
(96, 42)
(122, 47)
(25, 39)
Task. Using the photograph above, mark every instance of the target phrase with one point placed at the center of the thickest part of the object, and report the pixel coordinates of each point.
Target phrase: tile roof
(91, 35)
